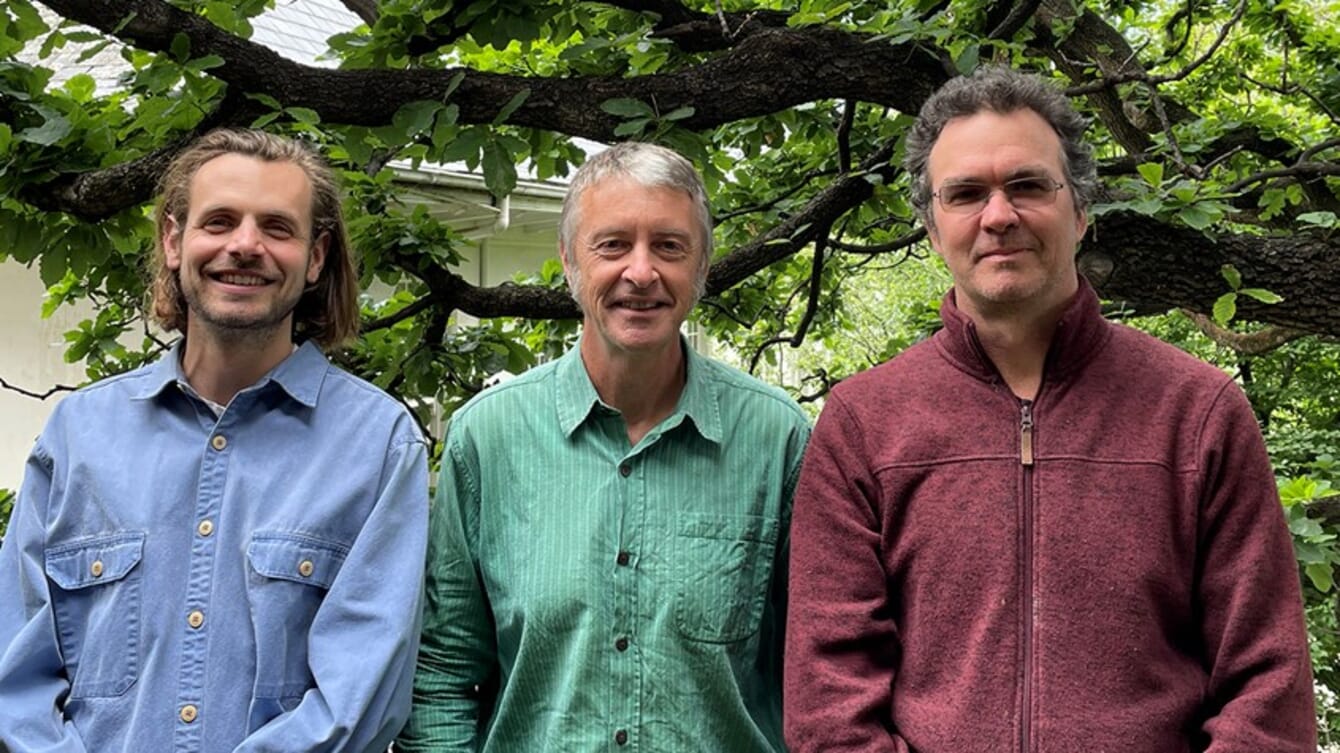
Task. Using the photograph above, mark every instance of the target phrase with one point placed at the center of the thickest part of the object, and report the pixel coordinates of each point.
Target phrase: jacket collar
(1080, 333)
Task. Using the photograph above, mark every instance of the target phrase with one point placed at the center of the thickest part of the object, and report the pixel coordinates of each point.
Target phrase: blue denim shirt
(177, 581)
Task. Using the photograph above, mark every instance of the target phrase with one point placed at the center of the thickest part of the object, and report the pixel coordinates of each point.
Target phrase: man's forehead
(229, 180)
(1001, 145)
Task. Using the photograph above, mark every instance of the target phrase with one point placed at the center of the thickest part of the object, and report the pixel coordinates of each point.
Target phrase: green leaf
(6, 138)
(205, 63)
(303, 115)
(1262, 295)
(414, 118)
(1152, 172)
(627, 108)
(453, 84)
(499, 169)
(512, 104)
(1322, 576)
(968, 60)
(1196, 217)
(181, 46)
(465, 147)
(632, 127)
(1232, 276)
(1225, 308)
(53, 266)
(679, 113)
(81, 87)
(1320, 219)
(267, 100)
(54, 128)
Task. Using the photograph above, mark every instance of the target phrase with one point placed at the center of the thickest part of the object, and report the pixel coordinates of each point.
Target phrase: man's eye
(963, 194)
(217, 223)
(1028, 188)
(279, 231)
(608, 246)
(672, 248)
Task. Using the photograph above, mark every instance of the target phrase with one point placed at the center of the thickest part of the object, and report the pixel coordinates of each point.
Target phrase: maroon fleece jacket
(1129, 587)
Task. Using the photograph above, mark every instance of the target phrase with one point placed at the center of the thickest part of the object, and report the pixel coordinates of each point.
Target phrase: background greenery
(1215, 123)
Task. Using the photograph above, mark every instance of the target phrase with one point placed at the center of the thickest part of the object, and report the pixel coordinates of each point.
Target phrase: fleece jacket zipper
(1026, 679)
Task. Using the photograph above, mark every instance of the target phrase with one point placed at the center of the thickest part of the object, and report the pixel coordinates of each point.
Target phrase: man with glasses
(1038, 530)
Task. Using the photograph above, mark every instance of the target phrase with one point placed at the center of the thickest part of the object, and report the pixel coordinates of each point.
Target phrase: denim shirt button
(188, 713)
(205, 528)
(305, 568)
(95, 569)
(195, 619)
(218, 442)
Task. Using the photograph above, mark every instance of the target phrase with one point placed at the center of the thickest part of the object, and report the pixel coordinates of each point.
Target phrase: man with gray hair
(1038, 531)
(607, 551)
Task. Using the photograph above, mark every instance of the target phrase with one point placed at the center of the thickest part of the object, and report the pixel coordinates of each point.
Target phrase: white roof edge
(436, 175)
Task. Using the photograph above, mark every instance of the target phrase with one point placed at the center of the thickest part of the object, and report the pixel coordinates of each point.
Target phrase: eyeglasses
(969, 197)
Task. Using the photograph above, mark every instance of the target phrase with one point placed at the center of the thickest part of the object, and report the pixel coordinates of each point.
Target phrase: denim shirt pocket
(724, 565)
(97, 607)
(288, 579)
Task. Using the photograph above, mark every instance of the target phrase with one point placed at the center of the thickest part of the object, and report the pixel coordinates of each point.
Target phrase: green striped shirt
(609, 597)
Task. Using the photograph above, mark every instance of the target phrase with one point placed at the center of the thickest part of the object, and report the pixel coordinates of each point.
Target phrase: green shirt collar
(577, 398)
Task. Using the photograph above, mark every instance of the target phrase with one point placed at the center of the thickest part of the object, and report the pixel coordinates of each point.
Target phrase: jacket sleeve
(33, 682)
(841, 637)
(362, 641)
(458, 655)
(1259, 695)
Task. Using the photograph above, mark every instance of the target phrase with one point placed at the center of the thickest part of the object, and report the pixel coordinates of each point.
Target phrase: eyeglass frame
(977, 206)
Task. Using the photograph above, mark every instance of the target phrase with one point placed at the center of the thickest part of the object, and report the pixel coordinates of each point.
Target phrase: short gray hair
(1002, 90)
(648, 165)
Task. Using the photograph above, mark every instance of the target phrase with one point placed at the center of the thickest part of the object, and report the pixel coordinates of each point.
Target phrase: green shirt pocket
(724, 565)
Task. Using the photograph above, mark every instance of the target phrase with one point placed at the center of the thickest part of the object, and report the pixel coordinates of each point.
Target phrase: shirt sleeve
(33, 681)
(841, 638)
(1254, 638)
(362, 642)
(458, 655)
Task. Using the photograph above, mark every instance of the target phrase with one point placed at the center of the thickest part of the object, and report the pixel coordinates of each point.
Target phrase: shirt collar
(300, 375)
(577, 397)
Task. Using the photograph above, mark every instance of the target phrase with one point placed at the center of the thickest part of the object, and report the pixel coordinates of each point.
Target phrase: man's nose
(641, 268)
(245, 239)
(999, 214)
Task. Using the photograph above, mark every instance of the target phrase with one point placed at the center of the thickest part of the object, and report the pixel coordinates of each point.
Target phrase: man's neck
(643, 387)
(1017, 343)
(217, 369)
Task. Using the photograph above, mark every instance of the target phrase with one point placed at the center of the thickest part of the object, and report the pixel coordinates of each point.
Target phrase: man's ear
(317, 259)
(1081, 223)
(171, 241)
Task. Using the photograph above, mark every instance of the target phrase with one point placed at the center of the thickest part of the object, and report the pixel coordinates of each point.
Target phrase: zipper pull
(1026, 433)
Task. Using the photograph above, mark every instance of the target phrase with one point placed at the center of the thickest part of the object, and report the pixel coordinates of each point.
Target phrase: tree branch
(769, 71)
(36, 395)
(1244, 343)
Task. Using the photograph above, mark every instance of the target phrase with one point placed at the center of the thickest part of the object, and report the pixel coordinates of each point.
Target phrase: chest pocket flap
(94, 561)
(296, 557)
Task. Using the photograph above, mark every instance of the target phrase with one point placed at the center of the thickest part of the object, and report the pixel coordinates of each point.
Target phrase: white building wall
(32, 357)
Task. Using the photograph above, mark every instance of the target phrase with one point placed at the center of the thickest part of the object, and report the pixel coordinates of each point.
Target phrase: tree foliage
(1215, 123)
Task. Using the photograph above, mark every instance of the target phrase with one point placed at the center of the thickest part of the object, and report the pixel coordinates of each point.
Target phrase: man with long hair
(222, 551)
